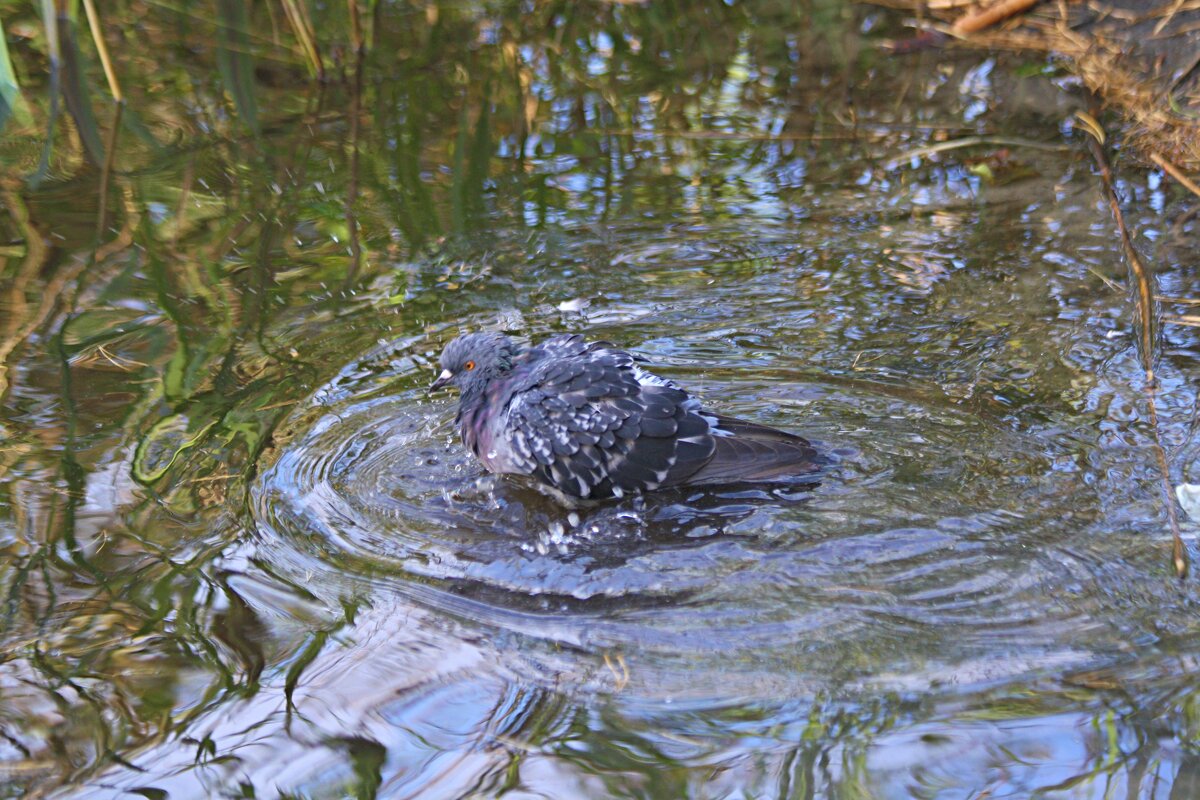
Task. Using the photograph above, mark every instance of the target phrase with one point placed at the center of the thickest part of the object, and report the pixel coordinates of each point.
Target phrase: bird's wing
(565, 345)
(587, 421)
(746, 451)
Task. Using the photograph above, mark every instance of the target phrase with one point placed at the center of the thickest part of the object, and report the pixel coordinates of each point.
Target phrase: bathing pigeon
(586, 420)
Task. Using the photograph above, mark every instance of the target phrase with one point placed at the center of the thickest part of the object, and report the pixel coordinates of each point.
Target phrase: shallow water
(246, 554)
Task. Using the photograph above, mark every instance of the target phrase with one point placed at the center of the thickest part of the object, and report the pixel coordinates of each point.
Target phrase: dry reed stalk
(110, 74)
(1175, 173)
(970, 141)
(1144, 294)
(974, 21)
(302, 25)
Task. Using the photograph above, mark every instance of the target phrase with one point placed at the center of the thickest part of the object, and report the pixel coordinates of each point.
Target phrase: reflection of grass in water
(12, 104)
(146, 597)
(235, 61)
(232, 269)
(695, 50)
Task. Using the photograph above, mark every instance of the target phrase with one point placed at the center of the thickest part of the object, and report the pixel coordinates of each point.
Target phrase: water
(245, 553)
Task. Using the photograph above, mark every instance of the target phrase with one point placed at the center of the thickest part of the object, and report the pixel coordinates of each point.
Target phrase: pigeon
(587, 421)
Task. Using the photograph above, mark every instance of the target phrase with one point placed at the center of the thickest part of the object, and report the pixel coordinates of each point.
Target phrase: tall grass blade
(133, 123)
(110, 156)
(76, 95)
(356, 35)
(234, 61)
(12, 104)
(50, 24)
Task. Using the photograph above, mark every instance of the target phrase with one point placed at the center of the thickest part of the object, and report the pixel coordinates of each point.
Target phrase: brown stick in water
(1144, 293)
(974, 21)
(1176, 173)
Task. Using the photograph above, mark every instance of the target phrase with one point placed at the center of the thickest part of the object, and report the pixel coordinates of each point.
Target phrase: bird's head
(473, 359)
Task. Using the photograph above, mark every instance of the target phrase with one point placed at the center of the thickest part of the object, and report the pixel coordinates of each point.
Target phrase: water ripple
(910, 547)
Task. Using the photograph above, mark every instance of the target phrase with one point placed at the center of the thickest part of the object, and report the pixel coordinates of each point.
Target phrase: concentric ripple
(908, 553)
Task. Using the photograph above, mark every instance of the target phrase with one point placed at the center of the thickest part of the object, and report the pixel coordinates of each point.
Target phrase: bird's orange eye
(469, 365)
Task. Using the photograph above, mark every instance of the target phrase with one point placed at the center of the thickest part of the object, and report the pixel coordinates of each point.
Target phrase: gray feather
(588, 420)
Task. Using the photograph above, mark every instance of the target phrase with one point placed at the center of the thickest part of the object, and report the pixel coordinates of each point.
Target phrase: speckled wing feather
(587, 420)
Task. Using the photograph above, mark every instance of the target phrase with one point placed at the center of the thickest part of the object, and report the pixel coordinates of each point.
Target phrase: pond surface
(244, 553)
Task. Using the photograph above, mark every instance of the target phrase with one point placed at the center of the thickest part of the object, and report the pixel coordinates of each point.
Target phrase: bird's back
(585, 419)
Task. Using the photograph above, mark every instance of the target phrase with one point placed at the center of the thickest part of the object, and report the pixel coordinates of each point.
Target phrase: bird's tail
(750, 452)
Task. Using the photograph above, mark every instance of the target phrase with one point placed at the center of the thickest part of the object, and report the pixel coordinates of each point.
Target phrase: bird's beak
(441, 381)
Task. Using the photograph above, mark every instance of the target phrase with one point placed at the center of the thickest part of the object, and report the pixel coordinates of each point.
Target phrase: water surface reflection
(245, 554)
